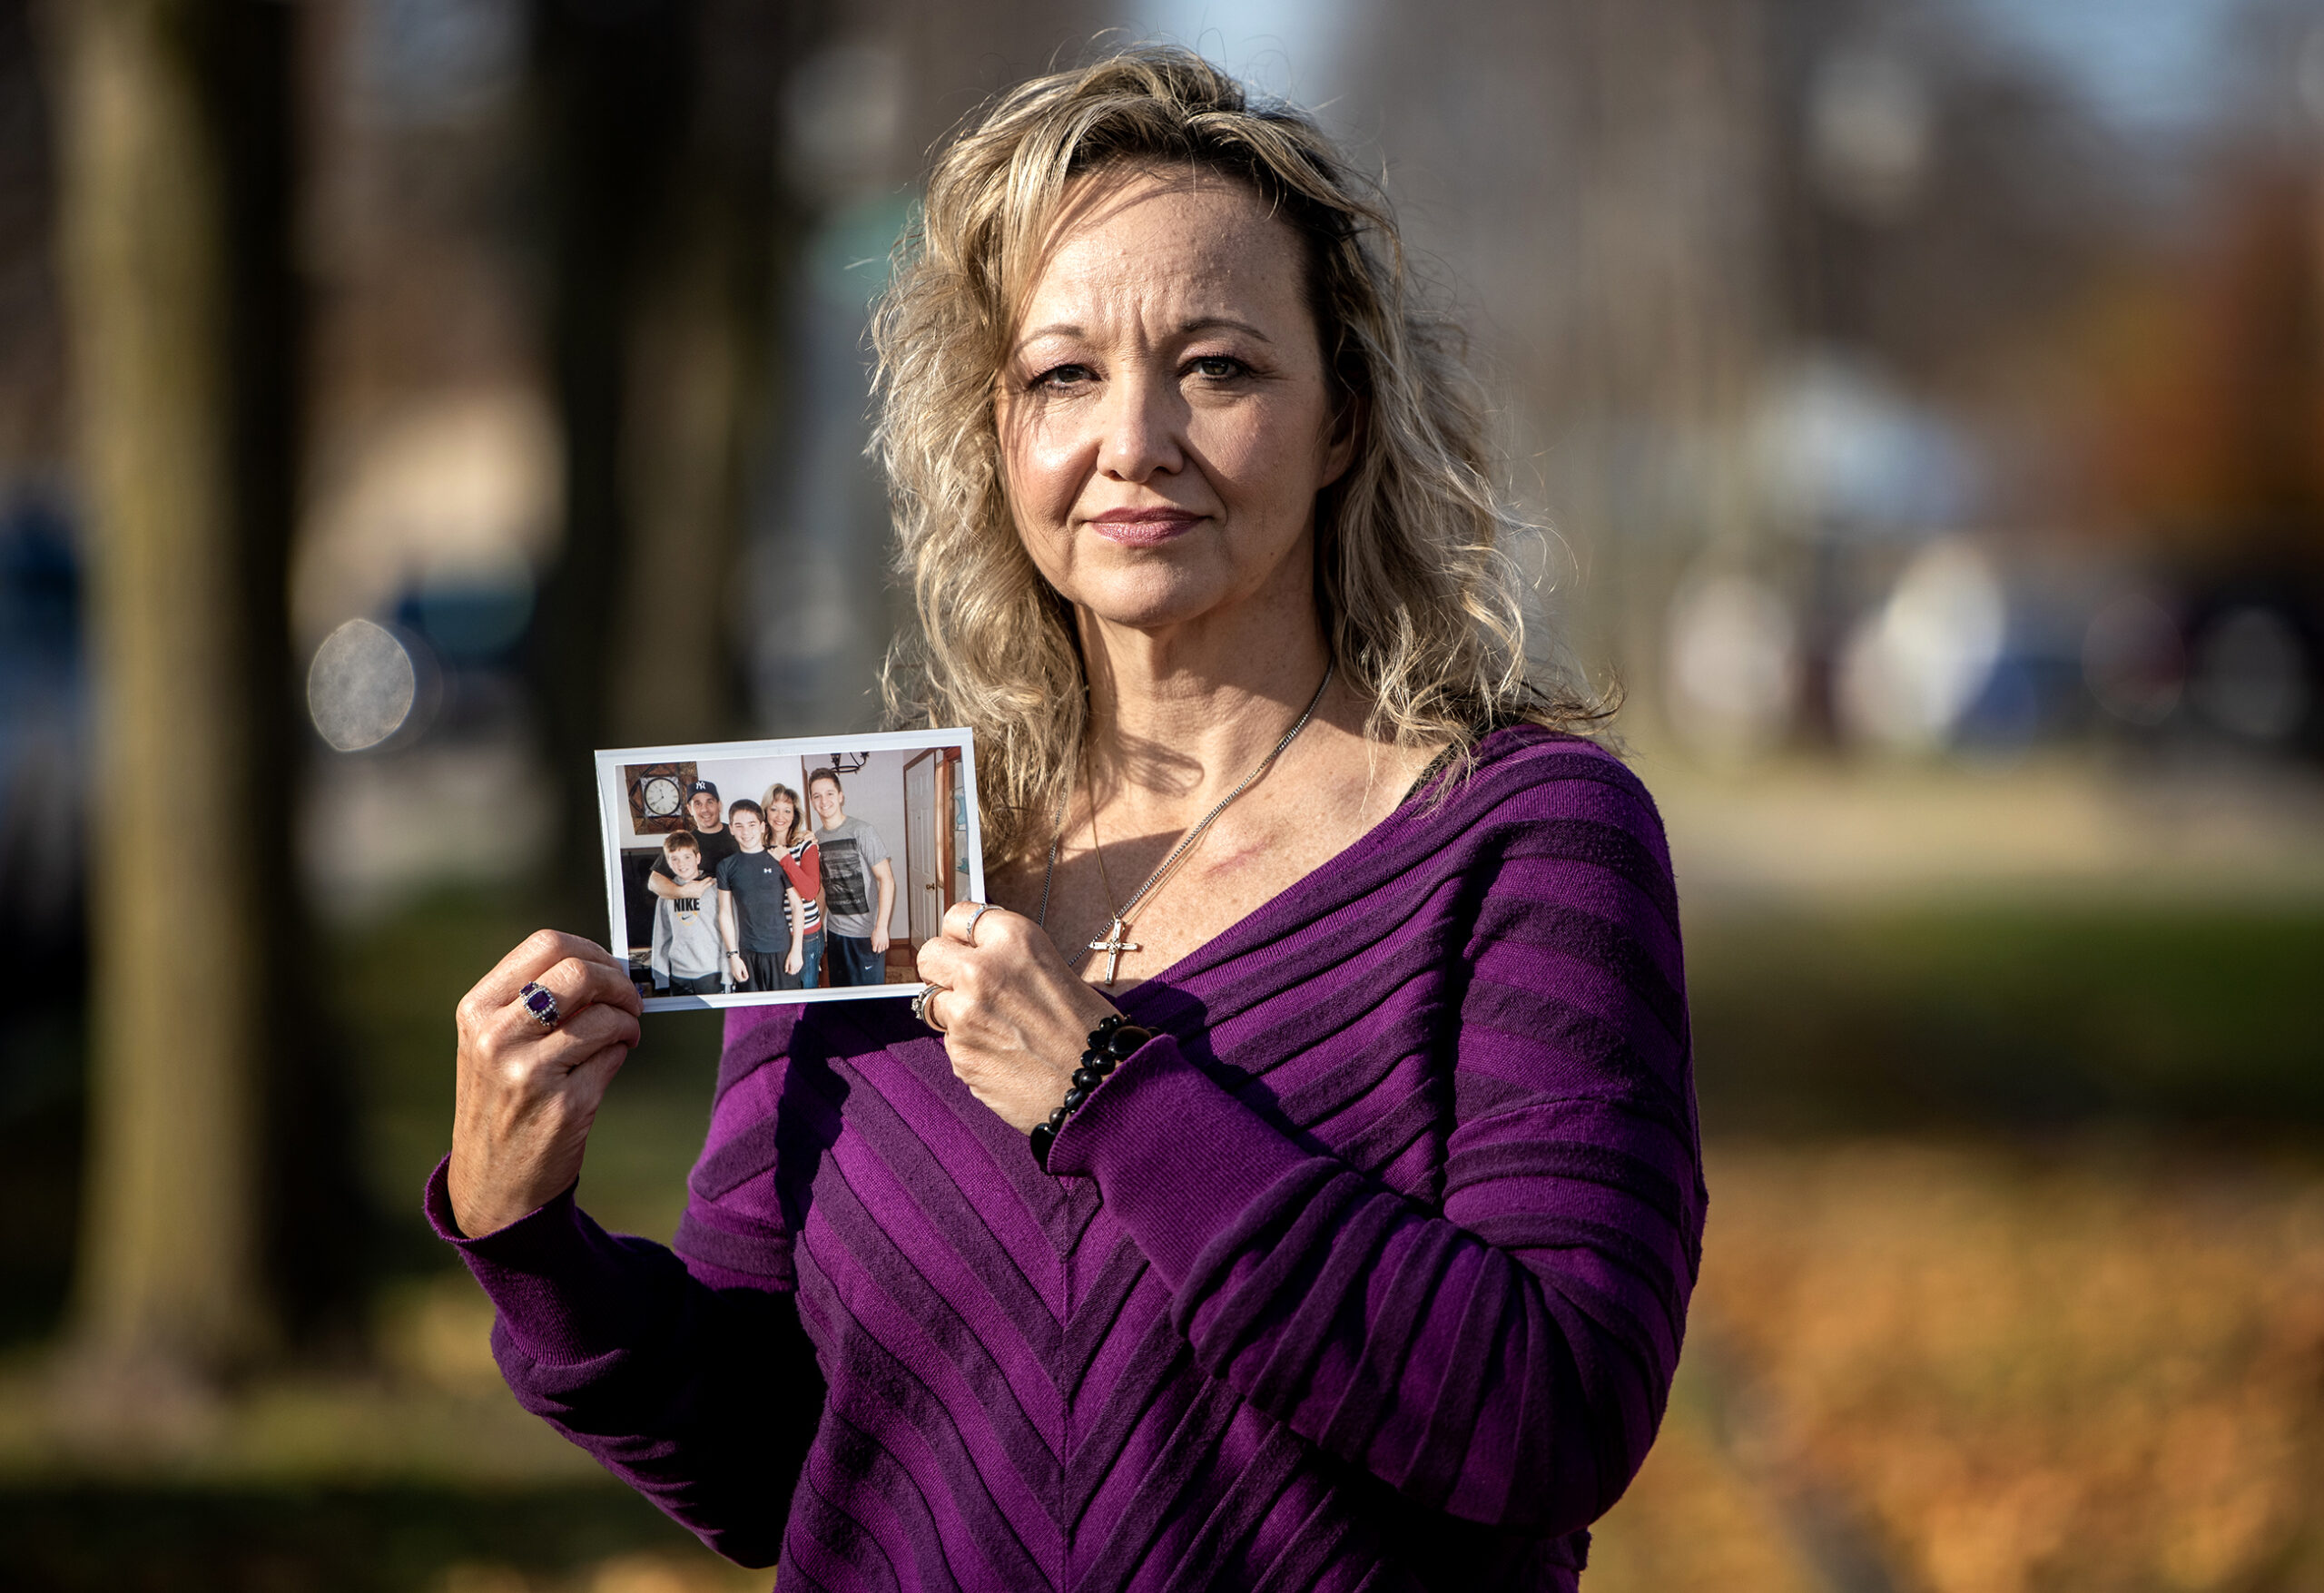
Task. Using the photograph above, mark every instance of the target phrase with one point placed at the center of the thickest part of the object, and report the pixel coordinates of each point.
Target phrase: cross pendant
(1112, 944)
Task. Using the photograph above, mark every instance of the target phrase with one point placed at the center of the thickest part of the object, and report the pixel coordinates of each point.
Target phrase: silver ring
(920, 1007)
(541, 1002)
(968, 932)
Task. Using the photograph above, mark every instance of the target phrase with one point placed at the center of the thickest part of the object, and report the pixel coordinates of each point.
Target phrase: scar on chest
(1238, 860)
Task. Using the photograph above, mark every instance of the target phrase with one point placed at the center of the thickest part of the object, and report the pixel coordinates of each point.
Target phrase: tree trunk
(169, 1277)
(701, 345)
(609, 92)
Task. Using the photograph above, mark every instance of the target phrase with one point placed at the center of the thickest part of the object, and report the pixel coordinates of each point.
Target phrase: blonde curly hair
(1419, 599)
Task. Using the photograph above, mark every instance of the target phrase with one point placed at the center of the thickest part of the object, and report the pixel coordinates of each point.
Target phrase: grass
(2009, 1018)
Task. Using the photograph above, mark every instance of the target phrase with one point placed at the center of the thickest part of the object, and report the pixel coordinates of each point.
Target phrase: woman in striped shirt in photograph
(789, 837)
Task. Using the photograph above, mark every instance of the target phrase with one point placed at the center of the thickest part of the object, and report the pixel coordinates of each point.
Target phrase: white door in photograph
(923, 890)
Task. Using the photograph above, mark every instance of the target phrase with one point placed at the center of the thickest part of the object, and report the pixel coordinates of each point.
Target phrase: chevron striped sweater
(1368, 1271)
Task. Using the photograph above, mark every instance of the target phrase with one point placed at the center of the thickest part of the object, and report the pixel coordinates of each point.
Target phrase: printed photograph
(803, 870)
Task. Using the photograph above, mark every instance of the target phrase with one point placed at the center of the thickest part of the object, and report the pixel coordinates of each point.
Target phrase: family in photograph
(773, 894)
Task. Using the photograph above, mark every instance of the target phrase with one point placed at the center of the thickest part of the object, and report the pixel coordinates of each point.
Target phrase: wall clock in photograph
(657, 796)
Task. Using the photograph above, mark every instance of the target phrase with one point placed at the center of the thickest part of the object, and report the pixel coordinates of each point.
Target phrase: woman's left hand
(1015, 1018)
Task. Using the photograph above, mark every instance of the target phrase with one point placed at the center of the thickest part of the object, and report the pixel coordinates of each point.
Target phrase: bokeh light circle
(361, 686)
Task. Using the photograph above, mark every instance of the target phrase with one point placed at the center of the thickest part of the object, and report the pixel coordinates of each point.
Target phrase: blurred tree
(1936, 201)
(1668, 211)
(30, 360)
(1593, 172)
(216, 1178)
(609, 89)
(170, 1269)
(663, 235)
(700, 343)
(2208, 374)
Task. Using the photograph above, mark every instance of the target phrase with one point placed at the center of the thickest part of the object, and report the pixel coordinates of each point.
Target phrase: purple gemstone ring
(541, 1002)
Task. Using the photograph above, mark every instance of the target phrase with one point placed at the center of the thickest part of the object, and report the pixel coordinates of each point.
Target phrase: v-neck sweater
(1369, 1270)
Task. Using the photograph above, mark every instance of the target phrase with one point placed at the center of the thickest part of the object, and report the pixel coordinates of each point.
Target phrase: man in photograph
(717, 843)
(859, 886)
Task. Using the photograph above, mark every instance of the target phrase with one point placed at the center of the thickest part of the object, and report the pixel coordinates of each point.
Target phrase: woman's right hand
(527, 1094)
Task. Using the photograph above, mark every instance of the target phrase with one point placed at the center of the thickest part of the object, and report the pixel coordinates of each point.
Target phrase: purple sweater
(1368, 1271)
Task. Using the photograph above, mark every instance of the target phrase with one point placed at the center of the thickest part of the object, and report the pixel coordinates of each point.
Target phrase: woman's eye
(1061, 376)
(1216, 367)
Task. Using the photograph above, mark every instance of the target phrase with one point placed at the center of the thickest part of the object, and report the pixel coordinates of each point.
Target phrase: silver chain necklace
(1112, 942)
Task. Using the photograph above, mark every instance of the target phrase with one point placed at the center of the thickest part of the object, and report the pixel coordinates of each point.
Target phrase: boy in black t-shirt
(761, 918)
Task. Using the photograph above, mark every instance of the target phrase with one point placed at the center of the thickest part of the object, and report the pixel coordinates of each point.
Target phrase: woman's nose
(1142, 417)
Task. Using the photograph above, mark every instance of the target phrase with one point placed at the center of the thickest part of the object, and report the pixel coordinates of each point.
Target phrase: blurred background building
(1921, 404)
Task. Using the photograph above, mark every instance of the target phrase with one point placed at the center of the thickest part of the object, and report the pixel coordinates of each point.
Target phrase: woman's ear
(1340, 437)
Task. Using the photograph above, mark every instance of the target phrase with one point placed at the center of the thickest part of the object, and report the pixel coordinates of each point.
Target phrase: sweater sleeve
(1504, 1355)
(805, 871)
(689, 1378)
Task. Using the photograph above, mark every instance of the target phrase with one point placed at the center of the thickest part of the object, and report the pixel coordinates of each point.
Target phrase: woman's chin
(1161, 597)
(1155, 613)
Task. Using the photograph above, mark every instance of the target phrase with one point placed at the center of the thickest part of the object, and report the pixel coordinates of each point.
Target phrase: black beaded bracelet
(1110, 1045)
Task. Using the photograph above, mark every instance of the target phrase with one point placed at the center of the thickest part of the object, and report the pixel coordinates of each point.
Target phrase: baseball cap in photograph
(699, 786)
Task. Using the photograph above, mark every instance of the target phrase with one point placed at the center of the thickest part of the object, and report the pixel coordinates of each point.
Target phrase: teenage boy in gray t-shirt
(859, 886)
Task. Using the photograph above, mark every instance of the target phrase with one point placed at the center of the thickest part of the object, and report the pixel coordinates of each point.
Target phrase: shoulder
(1534, 795)
(1524, 771)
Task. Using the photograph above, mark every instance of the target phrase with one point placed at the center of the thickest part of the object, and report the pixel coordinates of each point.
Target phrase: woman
(1303, 1190)
(793, 845)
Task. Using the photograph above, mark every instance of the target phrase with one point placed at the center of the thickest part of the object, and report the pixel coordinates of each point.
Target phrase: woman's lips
(1143, 527)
